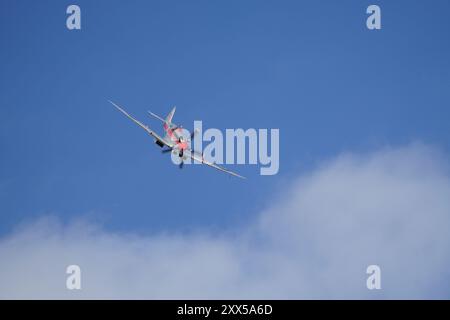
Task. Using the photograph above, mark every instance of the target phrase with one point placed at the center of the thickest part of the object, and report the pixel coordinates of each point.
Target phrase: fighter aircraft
(173, 141)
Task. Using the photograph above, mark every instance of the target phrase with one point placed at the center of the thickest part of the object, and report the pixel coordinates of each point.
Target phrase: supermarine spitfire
(173, 140)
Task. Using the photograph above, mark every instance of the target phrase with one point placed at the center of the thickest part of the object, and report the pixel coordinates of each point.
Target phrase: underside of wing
(158, 139)
(199, 158)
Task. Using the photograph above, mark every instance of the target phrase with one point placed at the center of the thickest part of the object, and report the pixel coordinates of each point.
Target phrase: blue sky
(310, 68)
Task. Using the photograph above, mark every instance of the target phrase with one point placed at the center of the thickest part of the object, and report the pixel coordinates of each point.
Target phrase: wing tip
(239, 176)
(114, 104)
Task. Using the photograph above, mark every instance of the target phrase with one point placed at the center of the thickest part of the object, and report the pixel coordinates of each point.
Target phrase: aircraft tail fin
(170, 115)
(167, 122)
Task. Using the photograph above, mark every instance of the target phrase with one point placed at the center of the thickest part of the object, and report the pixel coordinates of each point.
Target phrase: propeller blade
(181, 165)
(166, 150)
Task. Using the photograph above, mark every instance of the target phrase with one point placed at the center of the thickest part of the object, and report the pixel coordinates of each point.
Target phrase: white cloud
(390, 208)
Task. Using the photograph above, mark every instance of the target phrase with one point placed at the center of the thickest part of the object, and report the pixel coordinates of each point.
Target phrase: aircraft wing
(199, 158)
(143, 126)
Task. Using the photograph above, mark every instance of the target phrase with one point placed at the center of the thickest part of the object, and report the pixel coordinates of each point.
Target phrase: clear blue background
(310, 68)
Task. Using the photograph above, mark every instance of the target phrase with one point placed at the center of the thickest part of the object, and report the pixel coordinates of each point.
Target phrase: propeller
(166, 150)
(181, 164)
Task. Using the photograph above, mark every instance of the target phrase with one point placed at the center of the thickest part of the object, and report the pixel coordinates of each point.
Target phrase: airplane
(173, 141)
